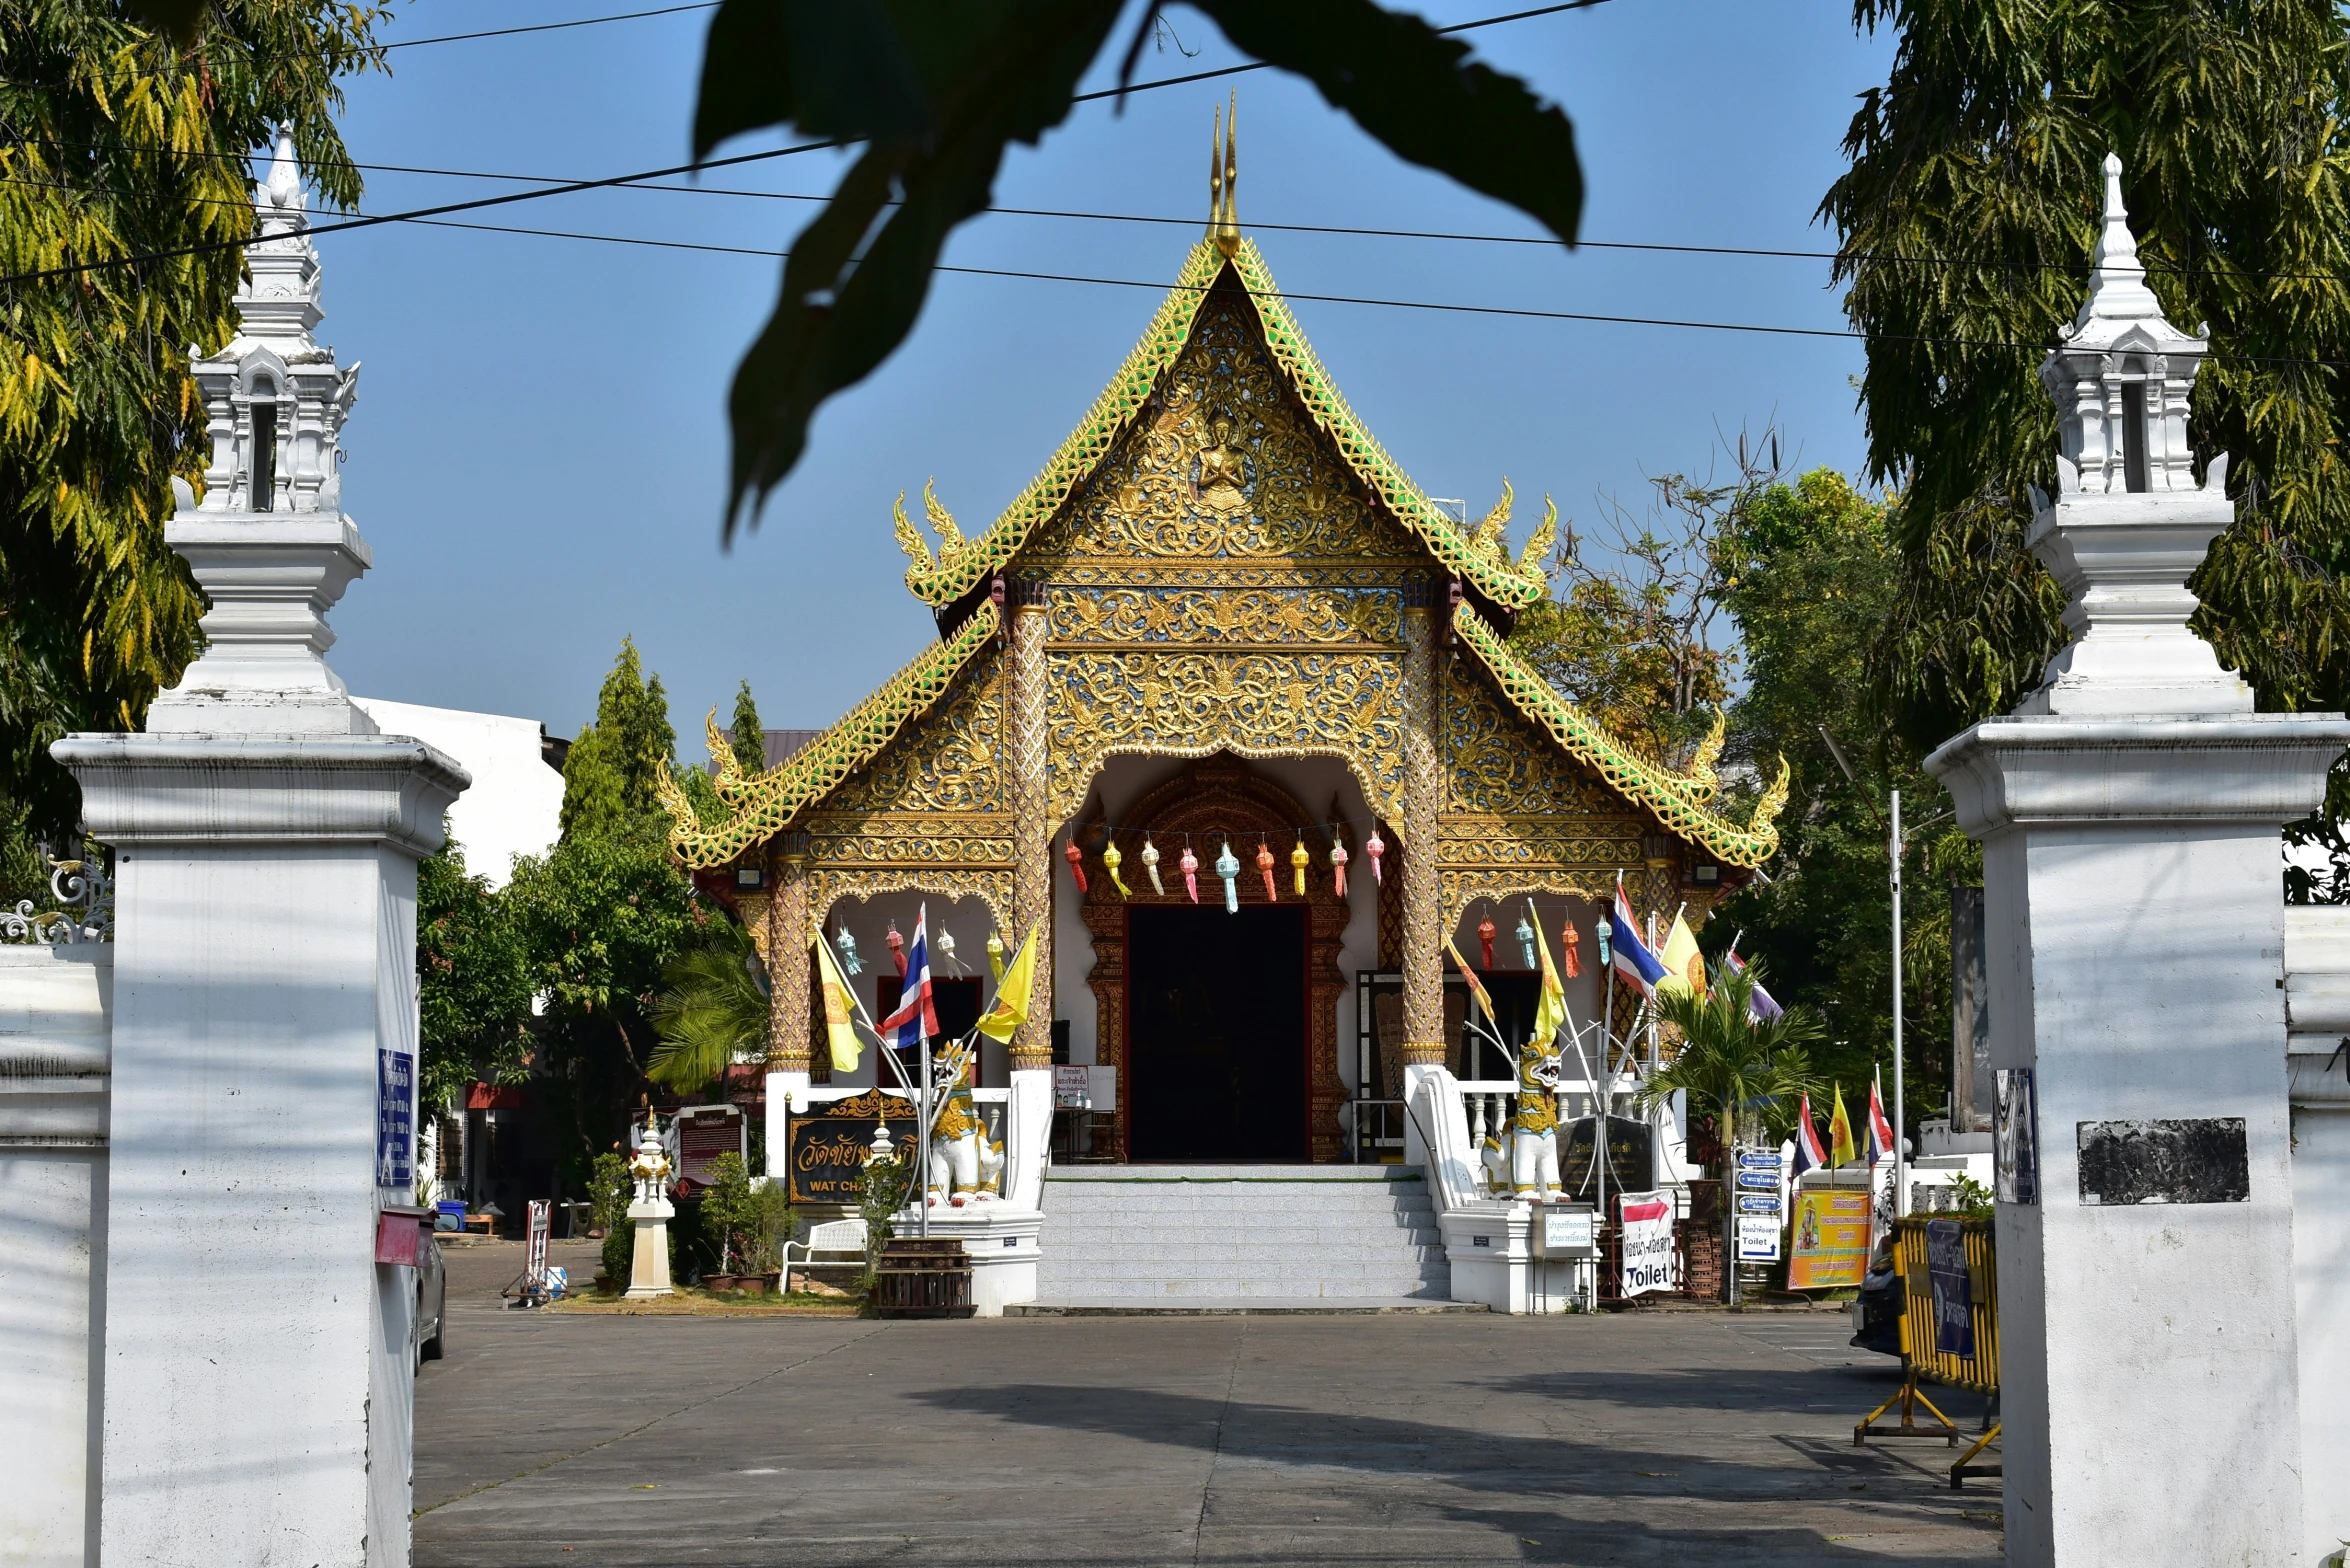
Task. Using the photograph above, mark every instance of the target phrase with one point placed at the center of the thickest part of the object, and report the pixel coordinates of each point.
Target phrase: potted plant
(769, 1227)
(726, 1219)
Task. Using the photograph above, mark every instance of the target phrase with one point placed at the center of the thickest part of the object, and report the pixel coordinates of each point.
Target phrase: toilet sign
(395, 1119)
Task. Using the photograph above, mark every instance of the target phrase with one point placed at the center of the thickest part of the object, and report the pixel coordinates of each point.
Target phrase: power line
(545, 27)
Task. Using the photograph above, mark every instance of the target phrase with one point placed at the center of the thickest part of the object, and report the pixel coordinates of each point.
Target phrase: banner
(1831, 1239)
(1648, 1242)
(1946, 1275)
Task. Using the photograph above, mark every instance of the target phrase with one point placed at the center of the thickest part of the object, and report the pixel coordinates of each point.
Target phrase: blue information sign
(395, 1119)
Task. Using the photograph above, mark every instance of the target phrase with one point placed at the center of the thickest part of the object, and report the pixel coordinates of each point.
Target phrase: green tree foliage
(473, 981)
(712, 1009)
(115, 143)
(930, 93)
(1967, 220)
(748, 737)
(1748, 1072)
(1810, 573)
(611, 777)
(1632, 629)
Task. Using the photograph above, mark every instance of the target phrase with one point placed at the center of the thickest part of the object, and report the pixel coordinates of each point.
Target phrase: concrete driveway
(1668, 1438)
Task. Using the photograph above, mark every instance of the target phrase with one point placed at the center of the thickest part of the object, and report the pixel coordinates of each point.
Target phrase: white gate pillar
(2130, 814)
(258, 1393)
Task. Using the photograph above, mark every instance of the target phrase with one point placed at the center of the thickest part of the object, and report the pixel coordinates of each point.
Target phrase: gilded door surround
(1214, 797)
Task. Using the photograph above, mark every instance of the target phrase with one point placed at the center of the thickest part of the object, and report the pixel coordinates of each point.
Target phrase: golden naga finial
(1487, 539)
(1702, 778)
(950, 537)
(683, 819)
(1224, 179)
(1530, 562)
(912, 542)
(730, 769)
(1764, 824)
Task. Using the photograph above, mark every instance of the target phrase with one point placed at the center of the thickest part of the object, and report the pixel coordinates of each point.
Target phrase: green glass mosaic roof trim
(769, 801)
(1677, 802)
(963, 569)
(1503, 584)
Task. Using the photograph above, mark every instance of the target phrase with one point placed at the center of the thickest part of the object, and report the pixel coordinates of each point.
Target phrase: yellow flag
(1684, 964)
(1475, 989)
(840, 1005)
(1551, 1012)
(1840, 1148)
(1011, 994)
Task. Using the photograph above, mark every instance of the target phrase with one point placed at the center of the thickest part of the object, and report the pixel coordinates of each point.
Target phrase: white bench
(836, 1243)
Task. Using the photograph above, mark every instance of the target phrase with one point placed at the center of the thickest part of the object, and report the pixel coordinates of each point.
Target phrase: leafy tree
(932, 92)
(1966, 221)
(748, 737)
(712, 1010)
(473, 981)
(610, 778)
(1810, 572)
(116, 143)
(1632, 631)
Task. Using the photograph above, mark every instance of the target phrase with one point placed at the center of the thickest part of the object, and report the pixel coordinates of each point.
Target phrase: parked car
(1876, 1311)
(432, 1301)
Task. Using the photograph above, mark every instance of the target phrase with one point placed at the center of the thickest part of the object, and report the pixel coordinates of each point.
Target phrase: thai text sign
(395, 1118)
(1946, 1272)
(1831, 1239)
(1648, 1242)
(828, 1147)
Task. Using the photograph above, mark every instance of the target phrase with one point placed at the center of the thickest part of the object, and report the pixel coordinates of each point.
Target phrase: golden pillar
(789, 1012)
(1421, 874)
(1032, 827)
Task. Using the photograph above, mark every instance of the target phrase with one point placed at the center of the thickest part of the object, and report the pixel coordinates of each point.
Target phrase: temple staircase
(1204, 1237)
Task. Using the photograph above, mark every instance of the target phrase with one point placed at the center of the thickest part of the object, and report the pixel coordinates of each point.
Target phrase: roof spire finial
(2117, 278)
(1224, 180)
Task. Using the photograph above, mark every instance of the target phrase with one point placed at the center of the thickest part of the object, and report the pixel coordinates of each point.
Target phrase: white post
(259, 1359)
(1900, 1149)
(2130, 816)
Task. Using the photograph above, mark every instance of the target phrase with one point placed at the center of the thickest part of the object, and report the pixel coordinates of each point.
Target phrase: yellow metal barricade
(1972, 1359)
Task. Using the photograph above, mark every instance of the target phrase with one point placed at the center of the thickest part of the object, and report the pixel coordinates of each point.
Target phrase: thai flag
(1880, 1130)
(1633, 960)
(1810, 1155)
(1760, 1004)
(916, 1019)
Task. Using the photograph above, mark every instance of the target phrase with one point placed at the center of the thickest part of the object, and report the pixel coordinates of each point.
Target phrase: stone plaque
(2186, 1160)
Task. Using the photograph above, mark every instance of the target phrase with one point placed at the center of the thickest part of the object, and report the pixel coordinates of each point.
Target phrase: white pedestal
(2135, 941)
(258, 1391)
(648, 1270)
(1002, 1242)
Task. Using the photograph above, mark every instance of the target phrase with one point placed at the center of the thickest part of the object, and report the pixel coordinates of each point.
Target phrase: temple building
(1220, 626)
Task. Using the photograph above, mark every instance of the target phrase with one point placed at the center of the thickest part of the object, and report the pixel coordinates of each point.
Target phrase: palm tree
(1736, 1063)
(714, 1009)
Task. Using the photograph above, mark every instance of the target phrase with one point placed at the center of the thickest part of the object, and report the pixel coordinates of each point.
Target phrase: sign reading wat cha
(1221, 625)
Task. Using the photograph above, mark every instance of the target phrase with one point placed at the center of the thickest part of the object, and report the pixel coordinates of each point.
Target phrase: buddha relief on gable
(1223, 465)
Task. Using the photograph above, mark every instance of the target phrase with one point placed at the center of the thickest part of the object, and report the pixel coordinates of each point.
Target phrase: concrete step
(1210, 1307)
(1205, 1234)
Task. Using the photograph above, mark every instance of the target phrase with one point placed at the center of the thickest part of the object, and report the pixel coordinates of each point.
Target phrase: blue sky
(538, 454)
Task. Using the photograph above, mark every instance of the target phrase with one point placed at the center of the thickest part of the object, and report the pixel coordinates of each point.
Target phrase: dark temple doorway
(1216, 1031)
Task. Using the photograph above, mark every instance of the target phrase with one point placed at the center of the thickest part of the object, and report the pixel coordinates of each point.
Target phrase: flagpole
(1900, 1156)
(922, 1171)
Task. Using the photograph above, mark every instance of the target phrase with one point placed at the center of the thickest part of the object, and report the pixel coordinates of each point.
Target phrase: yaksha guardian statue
(1523, 1152)
(965, 1167)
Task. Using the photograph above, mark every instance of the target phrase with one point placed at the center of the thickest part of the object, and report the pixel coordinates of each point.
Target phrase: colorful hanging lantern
(995, 956)
(1265, 870)
(850, 963)
(897, 949)
(1338, 864)
(1375, 847)
(1228, 867)
(1569, 940)
(1076, 859)
(946, 950)
(1150, 863)
(1189, 865)
(1111, 861)
(1526, 941)
(1298, 861)
(1603, 931)
(1485, 939)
